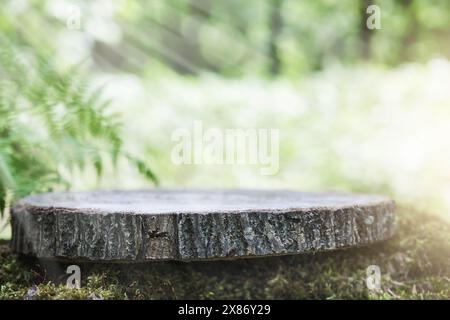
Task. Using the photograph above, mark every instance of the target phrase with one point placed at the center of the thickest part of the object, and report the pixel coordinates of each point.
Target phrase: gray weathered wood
(133, 226)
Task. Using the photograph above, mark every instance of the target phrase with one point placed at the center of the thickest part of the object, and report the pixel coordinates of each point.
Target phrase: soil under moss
(415, 264)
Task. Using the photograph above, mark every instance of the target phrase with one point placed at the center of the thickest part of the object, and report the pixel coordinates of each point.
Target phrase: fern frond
(49, 118)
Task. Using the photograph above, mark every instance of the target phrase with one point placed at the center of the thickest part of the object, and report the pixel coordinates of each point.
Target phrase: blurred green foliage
(51, 122)
(277, 37)
(234, 38)
(348, 105)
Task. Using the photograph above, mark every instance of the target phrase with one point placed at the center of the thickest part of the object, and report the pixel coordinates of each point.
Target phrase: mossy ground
(415, 264)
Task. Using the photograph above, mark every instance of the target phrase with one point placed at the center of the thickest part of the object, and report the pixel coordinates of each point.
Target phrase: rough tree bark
(134, 226)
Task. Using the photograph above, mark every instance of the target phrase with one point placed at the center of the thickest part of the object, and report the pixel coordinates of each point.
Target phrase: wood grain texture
(146, 225)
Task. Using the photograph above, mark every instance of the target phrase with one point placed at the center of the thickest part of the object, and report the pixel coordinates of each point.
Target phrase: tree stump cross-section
(188, 225)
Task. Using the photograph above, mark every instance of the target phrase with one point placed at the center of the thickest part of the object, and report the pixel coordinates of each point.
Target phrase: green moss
(415, 264)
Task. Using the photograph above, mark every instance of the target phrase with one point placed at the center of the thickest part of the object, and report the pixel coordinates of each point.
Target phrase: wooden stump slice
(186, 225)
